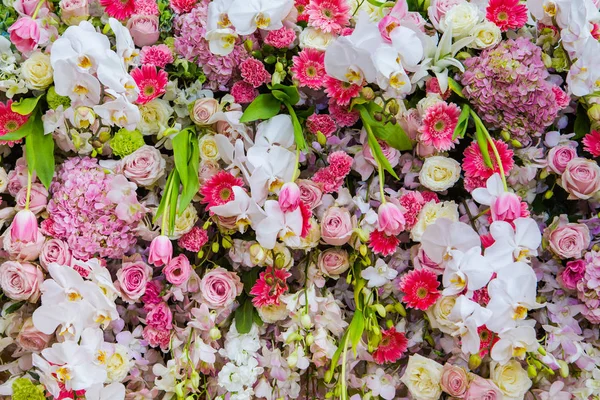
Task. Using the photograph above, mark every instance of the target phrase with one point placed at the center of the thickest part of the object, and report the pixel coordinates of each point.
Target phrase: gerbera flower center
(421, 292)
(502, 16)
(11, 126)
(327, 13)
(148, 90)
(311, 71)
(225, 193)
(439, 126)
(484, 336)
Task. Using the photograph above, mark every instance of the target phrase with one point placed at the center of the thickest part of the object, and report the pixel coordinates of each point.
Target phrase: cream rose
(144, 166)
(511, 379)
(273, 313)
(439, 313)
(462, 18)
(202, 110)
(439, 173)
(184, 222)
(485, 34)
(315, 39)
(423, 378)
(118, 364)
(37, 71)
(154, 116)
(430, 213)
(208, 148)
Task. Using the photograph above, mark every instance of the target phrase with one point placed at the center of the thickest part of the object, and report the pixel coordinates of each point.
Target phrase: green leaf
(25, 106)
(306, 113)
(265, 106)
(378, 153)
(257, 320)
(290, 91)
(165, 197)
(14, 307)
(190, 188)
(463, 122)
(281, 96)
(244, 315)
(173, 196)
(39, 151)
(483, 144)
(338, 353)
(181, 143)
(582, 123)
(392, 134)
(249, 278)
(356, 329)
(25, 129)
(298, 134)
(456, 87)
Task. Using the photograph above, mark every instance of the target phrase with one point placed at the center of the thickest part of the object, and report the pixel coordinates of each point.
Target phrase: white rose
(273, 313)
(511, 379)
(154, 117)
(184, 222)
(439, 313)
(439, 173)
(3, 180)
(315, 39)
(208, 148)
(430, 213)
(461, 18)
(422, 378)
(485, 34)
(428, 101)
(37, 71)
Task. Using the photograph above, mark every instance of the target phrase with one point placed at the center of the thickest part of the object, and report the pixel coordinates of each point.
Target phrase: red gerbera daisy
(474, 165)
(217, 190)
(269, 286)
(420, 287)
(151, 81)
(591, 143)
(309, 68)
(393, 344)
(383, 244)
(342, 92)
(301, 7)
(10, 121)
(506, 14)
(119, 9)
(306, 214)
(487, 339)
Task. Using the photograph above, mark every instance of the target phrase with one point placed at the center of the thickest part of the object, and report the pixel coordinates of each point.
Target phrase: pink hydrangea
(82, 214)
(588, 288)
(281, 38)
(159, 55)
(254, 72)
(321, 123)
(438, 126)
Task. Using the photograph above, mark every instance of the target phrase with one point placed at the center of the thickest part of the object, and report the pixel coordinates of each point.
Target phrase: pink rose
(438, 9)
(25, 34)
(28, 7)
(132, 278)
(333, 262)
(208, 169)
(559, 157)
(573, 273)
(581, 179)
(392, 154)
(425, 151)
(55, 251)
(310, 193)
(454, 380)
(21, 281)
(72, 12)
(30, 339)
(37, 201)
(178, 270)
(220, 287)
(483, 389)
(17, 178)
(203, 109)
(567, 240)
(160, 317)
(144, 166)
(336, 226)
(506, 207)
(23, 251)
(143, 29)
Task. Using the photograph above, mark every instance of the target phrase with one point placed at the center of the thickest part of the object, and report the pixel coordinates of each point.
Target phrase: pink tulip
(506, 207)
(289, 197)
(161, 251)
(24, 227)
(25, 34)
(391, 219)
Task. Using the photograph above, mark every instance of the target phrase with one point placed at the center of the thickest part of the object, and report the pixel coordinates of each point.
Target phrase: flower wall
(309, 199)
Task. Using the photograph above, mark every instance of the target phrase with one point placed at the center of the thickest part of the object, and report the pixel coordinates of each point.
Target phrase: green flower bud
(474, 361)
(531, 371)
(126, 142)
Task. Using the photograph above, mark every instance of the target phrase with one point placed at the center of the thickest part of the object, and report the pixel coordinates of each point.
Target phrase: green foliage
(186, 152)
(55, 100)
(245, 315)
(582, 122)
(463, 122)
(265, 106)
(125, 142)
(39, 151)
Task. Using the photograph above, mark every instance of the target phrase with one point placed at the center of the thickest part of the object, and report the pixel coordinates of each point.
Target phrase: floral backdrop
(309, 199)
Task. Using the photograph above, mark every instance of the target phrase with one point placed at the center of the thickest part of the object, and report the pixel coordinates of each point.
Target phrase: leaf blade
(265, 106)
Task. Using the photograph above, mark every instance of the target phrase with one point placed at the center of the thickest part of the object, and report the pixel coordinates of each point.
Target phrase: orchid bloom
(513, 244)
(249, 15)
(125, 47)
(512, 295)
(378, 275)
(494, 188)
(468, 270)
(221, 42)
(81, 87)
(444, 236)
(468, 316)
(113, 391)
(218, 17)
(514, 342)
(243, 208)
(277, 224)
(119, 112)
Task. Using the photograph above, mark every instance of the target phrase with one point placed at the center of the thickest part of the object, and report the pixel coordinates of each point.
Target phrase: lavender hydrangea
(507, 86)
(588, 288)
(191, 44)
(83, 215)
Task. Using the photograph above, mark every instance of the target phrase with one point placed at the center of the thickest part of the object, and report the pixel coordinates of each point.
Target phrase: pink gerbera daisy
(506, 14)
(340, 91)
(152, 82)
(475, 167)
(420, 287)
(438, 126)
(393, 344)
(10, 121)
(119, 9)
(269, 286)
(328, 15)
(217, 190)
(383, 244)
(591, 143)
(159, 55)
(309, 68)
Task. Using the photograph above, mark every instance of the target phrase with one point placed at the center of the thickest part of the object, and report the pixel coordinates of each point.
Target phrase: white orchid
(82, 46)
(249, 15)
(82, 88)
(468, 316)
(493, 189)
(221, 41)
(114, 391)
(378, 275)
(513, 244)
(125, 47)
(444, 236)
(469, 270)
(514, 342)
(277, 224)
(218, 17)
(119, 112)
(242, 207)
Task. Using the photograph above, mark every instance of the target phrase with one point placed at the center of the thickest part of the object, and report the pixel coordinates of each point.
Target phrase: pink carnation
(243, 92)
(342, 115)
(194, 239)
(270, 285)
(254, 72)
(383, 244)
(438, 126)
(146, 7)
(182, 6)
(159, 55)
(281, 38)
(591, 143)
(321, 123)
(332, 177)
(309, 68)
(328, 15)
(433, 86)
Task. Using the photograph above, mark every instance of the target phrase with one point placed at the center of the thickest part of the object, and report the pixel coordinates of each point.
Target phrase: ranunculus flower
(454, 380)
(559, 157)
(203, 109)
(567, 240)
(178, 270)
(55, 251)
(25, 34)
(160, 317)
(220, 287)
(333, 262)
(143, 29)
(336, 226)
(37, 71)
(21, 281)
(483, 389)
(144, 166)
(573, 273)
(132, 278)
(581, 179)
(31, 339)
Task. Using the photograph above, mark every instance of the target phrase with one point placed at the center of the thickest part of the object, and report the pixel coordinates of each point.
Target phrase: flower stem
(167, 194)
(37, 9)
(381, 179)
(296, 165)
(28, 196)
(344, 391)
(498, 159)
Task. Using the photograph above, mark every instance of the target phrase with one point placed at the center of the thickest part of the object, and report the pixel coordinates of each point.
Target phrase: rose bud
(161, 251)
